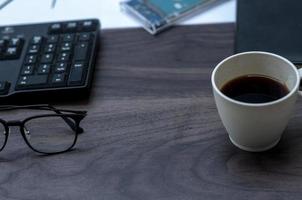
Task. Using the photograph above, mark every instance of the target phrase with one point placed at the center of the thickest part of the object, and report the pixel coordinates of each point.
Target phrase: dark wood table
(153, 131)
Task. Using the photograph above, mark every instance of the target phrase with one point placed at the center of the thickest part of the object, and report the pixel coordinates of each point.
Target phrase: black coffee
(254, 89)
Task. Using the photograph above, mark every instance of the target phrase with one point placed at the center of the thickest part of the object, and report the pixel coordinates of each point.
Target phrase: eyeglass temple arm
(71, 124)
(40, 107)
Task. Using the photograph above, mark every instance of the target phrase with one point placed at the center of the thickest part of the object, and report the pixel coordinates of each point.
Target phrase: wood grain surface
(153, 131)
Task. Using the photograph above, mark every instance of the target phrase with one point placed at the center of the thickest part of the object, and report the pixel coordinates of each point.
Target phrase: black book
(273, 26)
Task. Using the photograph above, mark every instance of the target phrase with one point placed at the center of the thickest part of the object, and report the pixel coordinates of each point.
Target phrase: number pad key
(81, 51)
(50, 48)
(68, 38)
(27, 70)
(35, 80)
(44, 69)
(53, 39)
(58, 79)
(66, 46)
(64, 57)
(83, 37)
(37, 40)
(33, 49)
(88, 25)
(77, 73)
(56, 28)
(47, 58)
(30, 59)
(71, 26)
(61, 67)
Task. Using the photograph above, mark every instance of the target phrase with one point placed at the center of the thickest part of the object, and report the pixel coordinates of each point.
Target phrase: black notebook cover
(270, 25)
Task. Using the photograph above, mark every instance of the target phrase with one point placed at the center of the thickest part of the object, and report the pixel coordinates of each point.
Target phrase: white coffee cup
(255, 126)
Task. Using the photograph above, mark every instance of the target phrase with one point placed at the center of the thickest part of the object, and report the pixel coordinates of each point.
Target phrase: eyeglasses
(46, 133)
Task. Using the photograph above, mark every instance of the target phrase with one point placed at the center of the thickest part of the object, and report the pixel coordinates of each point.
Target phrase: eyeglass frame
(76, 115)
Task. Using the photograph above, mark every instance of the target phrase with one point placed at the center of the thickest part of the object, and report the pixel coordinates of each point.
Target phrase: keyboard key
(3, 43)
(35, 80)
(56, 28)
(76, 74)
(31, 59)
(44, 69)
(83, 37)
(67, 46)
(58, 78)
(47, 58)
(4, 87)
(33, 49)
(10, 49)
(53, 39)
(78, 64)
(68, 38)
(23, 81)
(71, 26)
(81, 51)
(50, 48)
(61, 67)
(88, 25)
(65, 56)
(14, 42)
(11, 52)
(37, 40)
(27, 70)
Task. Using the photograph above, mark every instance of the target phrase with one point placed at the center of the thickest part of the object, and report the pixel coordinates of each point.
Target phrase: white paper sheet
(108, 11)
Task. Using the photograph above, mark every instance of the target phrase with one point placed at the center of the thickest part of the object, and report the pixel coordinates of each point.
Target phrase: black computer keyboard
(48, 60)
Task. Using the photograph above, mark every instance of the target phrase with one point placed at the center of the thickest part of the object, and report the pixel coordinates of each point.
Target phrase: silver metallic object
(5, 3)
(53, 4)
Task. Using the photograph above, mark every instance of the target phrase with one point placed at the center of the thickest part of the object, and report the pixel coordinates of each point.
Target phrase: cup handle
(300, 73)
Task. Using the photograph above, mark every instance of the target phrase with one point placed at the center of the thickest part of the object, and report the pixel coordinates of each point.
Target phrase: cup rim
(255, 104)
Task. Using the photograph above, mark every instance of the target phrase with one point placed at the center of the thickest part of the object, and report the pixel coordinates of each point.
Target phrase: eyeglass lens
(49, 134)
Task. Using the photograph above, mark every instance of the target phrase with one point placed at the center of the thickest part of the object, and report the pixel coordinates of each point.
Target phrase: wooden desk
(153, 132)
